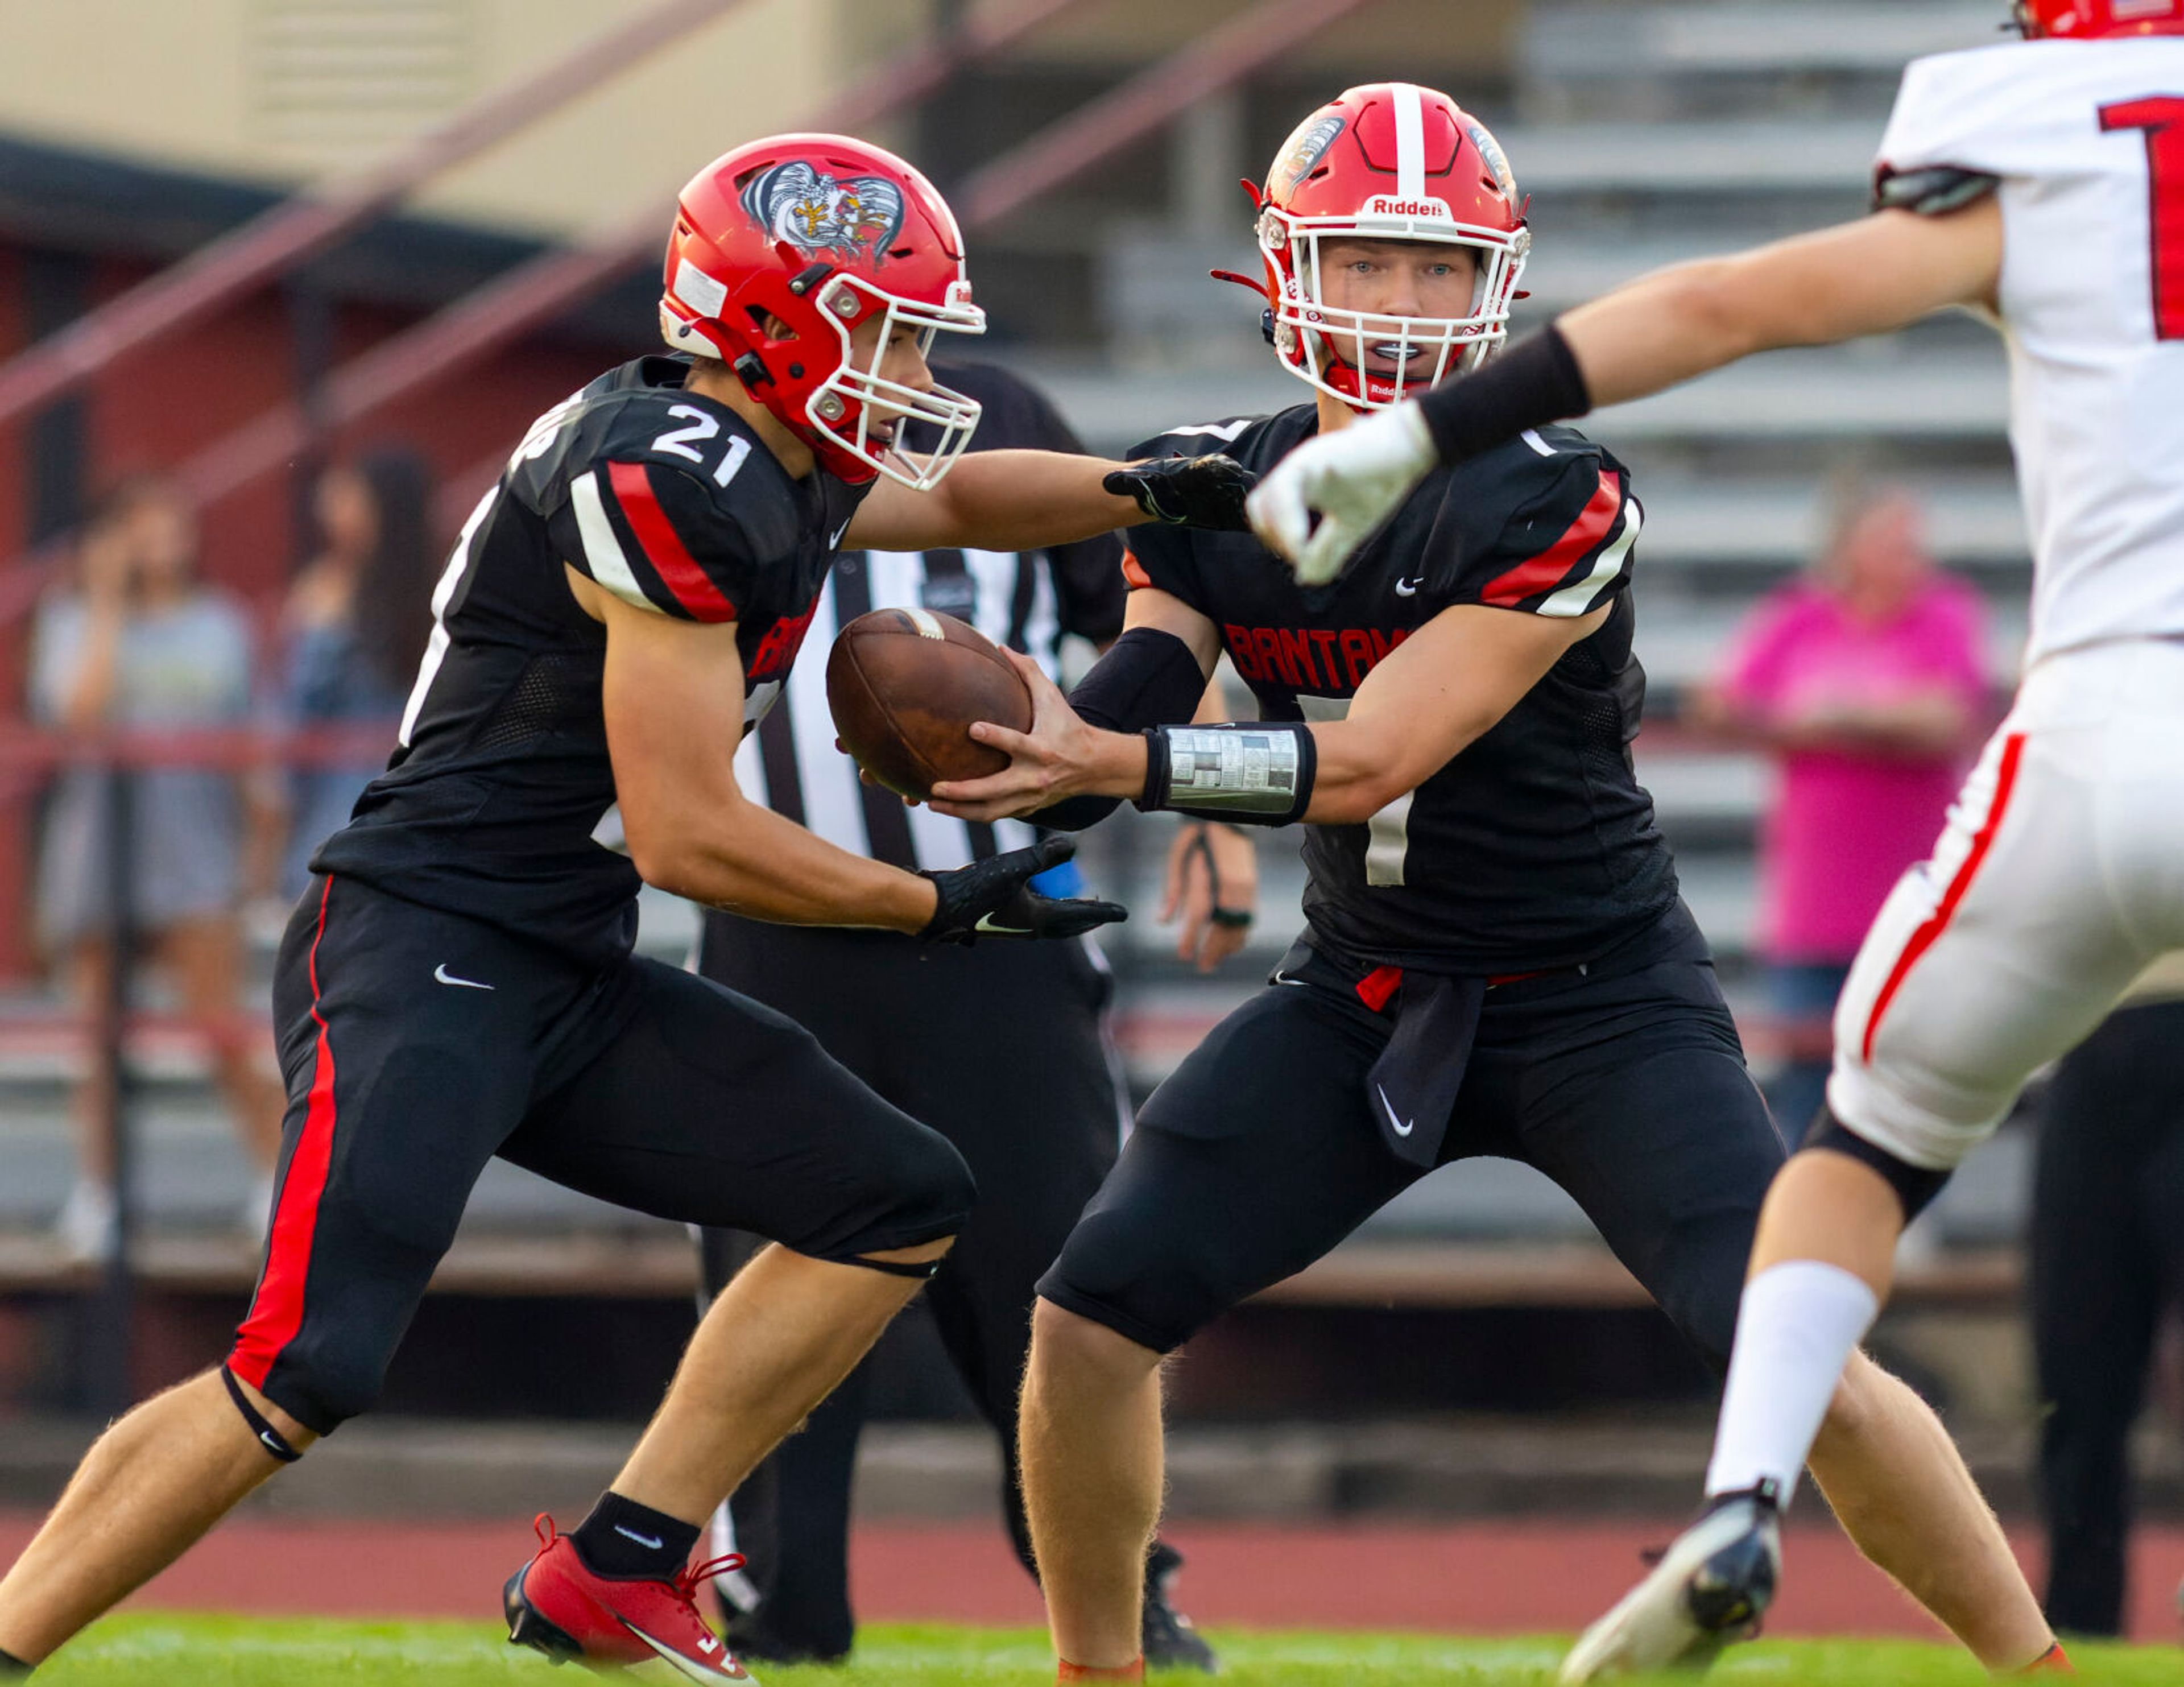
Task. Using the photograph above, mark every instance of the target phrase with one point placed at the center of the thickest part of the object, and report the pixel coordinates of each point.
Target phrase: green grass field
(238, 1652)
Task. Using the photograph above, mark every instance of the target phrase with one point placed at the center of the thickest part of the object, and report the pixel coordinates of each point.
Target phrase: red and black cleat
(557, 1606)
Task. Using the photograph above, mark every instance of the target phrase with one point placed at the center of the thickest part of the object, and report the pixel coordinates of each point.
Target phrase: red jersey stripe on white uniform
(1931, 927)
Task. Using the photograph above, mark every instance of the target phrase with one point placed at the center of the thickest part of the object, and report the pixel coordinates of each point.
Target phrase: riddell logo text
(1318, 658)
(1386, 205)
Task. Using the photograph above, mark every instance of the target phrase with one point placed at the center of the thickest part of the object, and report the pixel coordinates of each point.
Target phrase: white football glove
(1354, 479)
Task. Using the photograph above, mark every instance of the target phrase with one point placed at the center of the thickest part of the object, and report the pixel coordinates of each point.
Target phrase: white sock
(1797, 1326)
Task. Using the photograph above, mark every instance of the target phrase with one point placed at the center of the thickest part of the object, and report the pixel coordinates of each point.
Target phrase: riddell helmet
(2092, 19)
(823, 233)
(1388, 161)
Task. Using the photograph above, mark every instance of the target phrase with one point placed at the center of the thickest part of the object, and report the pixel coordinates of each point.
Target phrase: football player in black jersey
(458, 981)
(1496, 959)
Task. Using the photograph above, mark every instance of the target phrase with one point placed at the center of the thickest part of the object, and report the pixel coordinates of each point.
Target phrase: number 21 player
(2042, 185)
(458, 981)
(1496, 959)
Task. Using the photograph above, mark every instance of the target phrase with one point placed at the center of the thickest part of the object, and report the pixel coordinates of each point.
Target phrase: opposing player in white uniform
(2043, 184)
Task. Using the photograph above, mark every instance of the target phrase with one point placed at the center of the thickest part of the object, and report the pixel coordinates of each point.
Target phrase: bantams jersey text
(668, 500)
(1535, 847)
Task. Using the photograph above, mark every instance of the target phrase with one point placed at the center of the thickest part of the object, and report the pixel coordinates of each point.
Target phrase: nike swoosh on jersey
(1399, 1126)
(1409, 588)
(441, 975)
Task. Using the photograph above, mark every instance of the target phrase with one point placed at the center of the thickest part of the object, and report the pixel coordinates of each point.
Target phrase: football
(904, 686)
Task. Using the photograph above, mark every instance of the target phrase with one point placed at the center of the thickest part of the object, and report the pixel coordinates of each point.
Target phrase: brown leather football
(904, 686)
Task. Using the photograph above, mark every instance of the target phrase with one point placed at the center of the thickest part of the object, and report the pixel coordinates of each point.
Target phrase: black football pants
(2108, 1255)
(418, 1044)
(1260, 1151)
(1001, 1050)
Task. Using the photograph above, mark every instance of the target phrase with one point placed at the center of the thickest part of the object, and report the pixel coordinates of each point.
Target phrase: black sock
(12, 1666)
(622, 1538)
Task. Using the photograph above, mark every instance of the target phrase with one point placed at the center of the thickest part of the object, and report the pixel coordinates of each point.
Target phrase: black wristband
(1155, 785)
(1535, 381)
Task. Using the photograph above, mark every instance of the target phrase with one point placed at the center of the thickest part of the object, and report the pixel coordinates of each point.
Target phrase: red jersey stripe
(1935, 923)
(662, 545)
(276, 1310)
(1553, 566)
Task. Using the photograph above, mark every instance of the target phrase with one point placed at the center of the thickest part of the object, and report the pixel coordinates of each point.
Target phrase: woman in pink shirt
(1864, 680)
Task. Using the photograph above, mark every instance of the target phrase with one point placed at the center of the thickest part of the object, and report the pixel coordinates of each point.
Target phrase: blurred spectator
(353, 627)
(135, 642)
(1863, 680)
(2107, 1259)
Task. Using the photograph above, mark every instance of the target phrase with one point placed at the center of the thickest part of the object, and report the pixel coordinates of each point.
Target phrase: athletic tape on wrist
(1258, 774)
(268, 1438)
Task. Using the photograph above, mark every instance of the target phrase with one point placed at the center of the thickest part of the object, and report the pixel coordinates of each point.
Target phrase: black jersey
(668, 500)
(1535, 847)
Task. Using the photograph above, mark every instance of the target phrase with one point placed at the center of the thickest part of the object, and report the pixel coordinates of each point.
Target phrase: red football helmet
(2092, 19)
(1388, 161)
(823, 232)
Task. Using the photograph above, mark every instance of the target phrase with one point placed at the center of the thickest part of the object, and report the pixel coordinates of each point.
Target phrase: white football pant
(2059, 877)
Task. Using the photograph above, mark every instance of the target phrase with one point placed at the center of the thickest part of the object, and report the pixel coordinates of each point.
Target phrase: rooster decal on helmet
(851, 219)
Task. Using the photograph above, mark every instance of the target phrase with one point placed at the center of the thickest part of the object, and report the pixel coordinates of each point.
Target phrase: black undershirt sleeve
(1147, 678)
(1534, 382)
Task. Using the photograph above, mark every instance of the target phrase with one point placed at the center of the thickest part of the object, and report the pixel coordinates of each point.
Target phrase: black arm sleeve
(1535, 381)
(1147, 678)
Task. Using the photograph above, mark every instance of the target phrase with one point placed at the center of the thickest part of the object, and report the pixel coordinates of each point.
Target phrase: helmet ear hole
(769, 326)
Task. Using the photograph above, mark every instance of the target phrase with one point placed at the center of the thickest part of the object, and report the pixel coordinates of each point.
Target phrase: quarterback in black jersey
(459, 983)
(1497, 959)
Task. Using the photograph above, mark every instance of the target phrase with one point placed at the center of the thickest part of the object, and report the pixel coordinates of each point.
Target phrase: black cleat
(1167, 1638)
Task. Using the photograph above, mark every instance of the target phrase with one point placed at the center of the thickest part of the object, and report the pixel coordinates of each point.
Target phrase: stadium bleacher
(1754, 119)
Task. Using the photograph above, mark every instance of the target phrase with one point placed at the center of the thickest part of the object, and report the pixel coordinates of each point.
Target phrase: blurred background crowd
(220, 534)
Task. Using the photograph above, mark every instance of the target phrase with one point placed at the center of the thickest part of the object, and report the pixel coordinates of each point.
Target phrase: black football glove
(1188, 492)
(993, 899)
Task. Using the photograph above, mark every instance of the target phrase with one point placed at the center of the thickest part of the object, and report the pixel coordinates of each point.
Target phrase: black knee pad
(1915, 1186)
(927, 1195)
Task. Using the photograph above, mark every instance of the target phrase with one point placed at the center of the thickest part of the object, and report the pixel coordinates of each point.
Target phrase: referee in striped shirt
(1038, 1113)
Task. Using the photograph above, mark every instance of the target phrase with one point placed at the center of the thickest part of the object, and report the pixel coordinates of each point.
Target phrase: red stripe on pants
(276, 1310)
(1933, 925)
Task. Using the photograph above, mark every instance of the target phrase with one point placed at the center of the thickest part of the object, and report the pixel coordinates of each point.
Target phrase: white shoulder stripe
(443, 593)
(1577, 599)
(1531, 436)
(1410, 141)
(1226, 431)
(602, 550)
